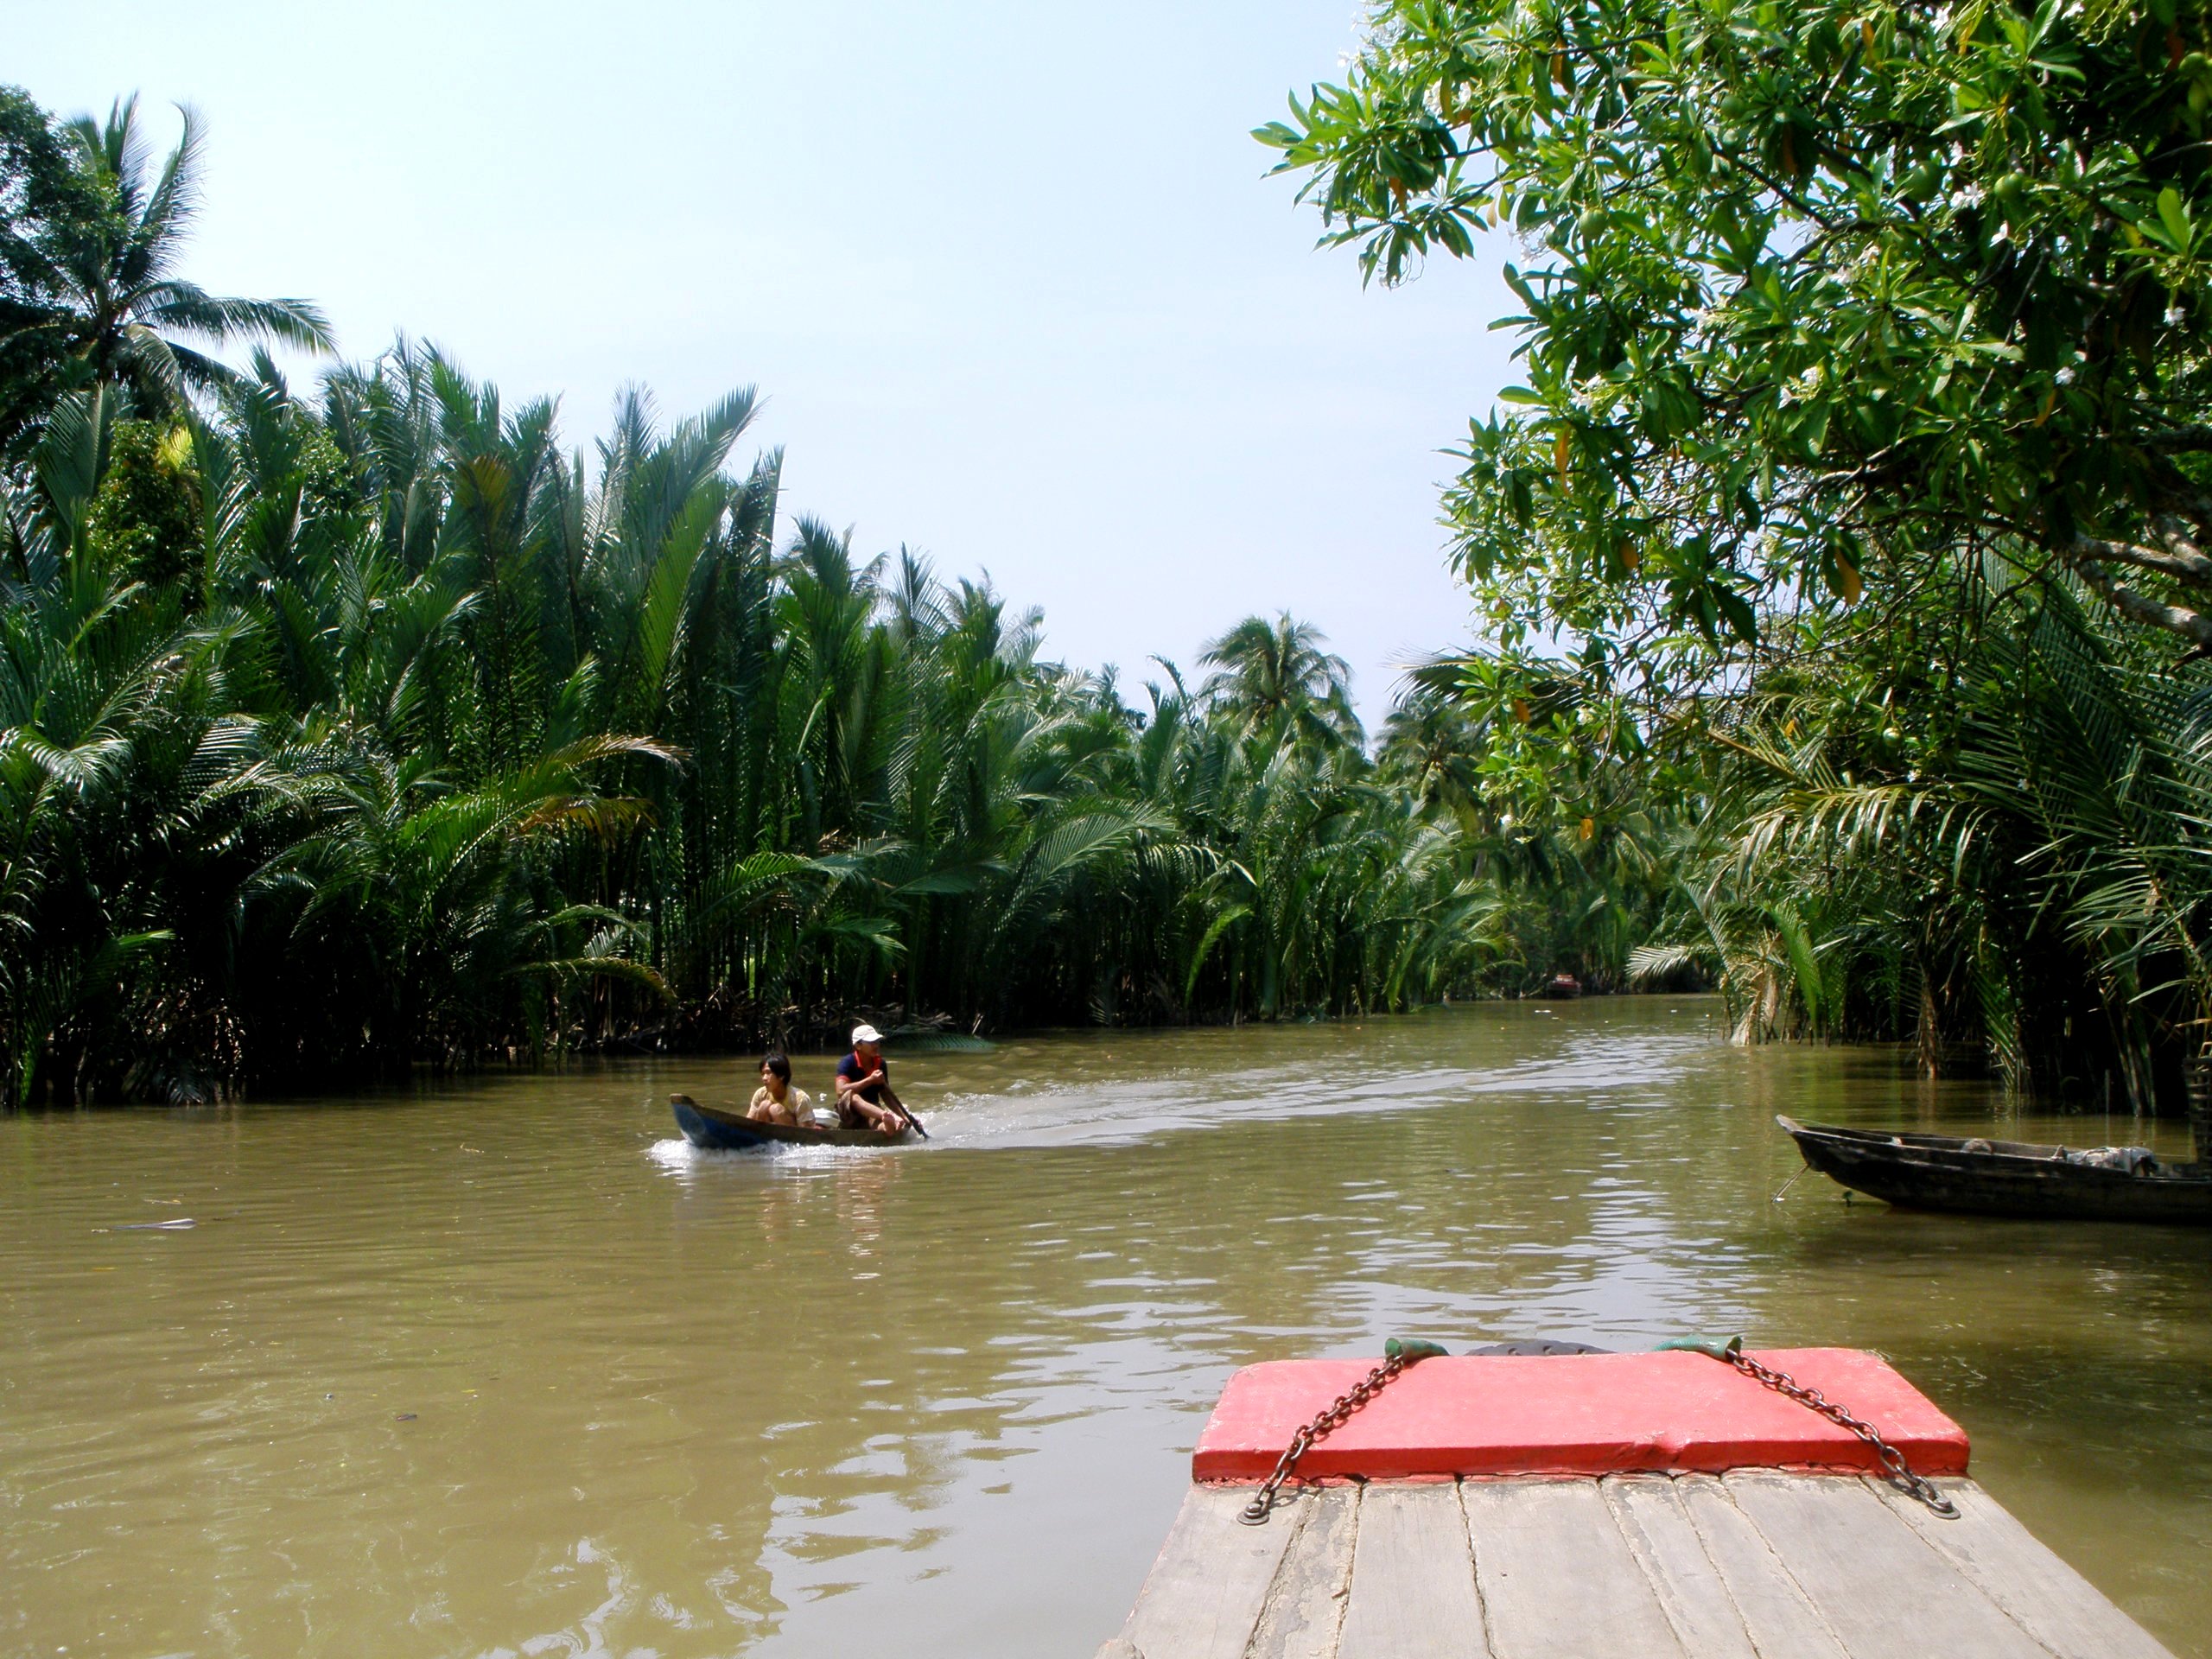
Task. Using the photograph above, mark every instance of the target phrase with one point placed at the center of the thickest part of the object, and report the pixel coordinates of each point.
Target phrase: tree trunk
(1927, 1031)
(2200, 1104)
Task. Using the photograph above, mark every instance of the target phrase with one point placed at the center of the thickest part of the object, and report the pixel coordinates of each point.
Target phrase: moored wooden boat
(1974, 1176)
(1655, 1505)
(725, 1131)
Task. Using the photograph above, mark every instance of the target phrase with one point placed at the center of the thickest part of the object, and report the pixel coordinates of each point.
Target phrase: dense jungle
(1848, 528)
(365, 724)
(358, 728)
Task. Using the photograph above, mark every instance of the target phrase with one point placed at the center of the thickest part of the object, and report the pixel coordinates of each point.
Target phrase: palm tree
(461, 749)
(107, 304)
(1275, 676)
(1433, 741)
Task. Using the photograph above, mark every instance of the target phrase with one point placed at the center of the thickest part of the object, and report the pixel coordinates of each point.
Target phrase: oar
(900, 1107)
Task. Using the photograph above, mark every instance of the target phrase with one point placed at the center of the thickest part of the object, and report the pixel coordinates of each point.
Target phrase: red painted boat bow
(1573, 1414)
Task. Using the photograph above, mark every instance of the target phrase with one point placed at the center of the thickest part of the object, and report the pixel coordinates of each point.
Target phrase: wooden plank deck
(1759, 1563)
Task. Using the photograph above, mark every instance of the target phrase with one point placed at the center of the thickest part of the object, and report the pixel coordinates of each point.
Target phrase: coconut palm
(1434, 741)
(1274, 678)
(103, 298)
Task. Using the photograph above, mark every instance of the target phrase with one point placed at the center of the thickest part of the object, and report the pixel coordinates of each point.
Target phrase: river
(500, 1367)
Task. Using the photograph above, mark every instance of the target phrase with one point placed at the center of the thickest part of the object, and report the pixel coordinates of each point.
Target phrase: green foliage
(1990, 835)
(1569, 818)
(1274, 678)
(1865, 351)
(91, 228)
(144, 522)
(45, 208)
(343, 734)
(1817, 297)
(337, 738)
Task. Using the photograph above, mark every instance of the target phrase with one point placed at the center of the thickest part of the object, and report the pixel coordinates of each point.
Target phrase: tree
(1819, 295)
(343, 734)
(1275, 677)
(44, 207)
(145, 521)
(90, 243)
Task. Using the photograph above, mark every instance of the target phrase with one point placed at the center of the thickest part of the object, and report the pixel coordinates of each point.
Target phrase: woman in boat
(865, 1098)
(777, 1100)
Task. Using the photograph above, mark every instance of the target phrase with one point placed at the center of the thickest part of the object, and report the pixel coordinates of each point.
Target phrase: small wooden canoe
(723, 1131)
(1977, 1177)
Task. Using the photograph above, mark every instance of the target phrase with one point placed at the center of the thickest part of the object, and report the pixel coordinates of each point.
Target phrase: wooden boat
(724, 1131)
(1562, 988)
(1974, 1176)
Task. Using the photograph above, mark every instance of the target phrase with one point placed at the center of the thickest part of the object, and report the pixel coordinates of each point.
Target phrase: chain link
(1899, 1473)
(1333, 1417)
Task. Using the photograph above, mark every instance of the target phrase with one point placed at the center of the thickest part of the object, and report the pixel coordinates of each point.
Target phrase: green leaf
(1803, 965)
(2174, 215)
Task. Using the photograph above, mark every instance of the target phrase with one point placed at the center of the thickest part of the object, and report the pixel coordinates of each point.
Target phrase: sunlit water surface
(504, 1368)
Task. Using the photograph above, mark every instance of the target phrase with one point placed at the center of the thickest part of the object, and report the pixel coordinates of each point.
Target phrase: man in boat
(865, 1097)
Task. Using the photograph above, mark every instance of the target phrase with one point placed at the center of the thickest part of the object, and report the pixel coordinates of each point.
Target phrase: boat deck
(1761, 1564)
(1602, 1506)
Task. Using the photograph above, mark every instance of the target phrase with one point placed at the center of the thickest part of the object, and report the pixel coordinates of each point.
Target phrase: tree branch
(2182, 562)
(2180, 437)
(2178, 537)
(2192, 625)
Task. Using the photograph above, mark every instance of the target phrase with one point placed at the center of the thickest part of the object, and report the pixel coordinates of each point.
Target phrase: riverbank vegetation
(356, 726)
(1848, 526)
(1838, 568)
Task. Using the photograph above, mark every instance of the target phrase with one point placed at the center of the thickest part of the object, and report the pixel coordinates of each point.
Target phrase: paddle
(912, 1122)
(897, 1105)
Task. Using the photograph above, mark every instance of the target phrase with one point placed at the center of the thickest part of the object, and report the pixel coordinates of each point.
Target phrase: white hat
(866, 1034)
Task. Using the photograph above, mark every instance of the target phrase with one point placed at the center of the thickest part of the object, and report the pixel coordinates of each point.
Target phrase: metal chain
(1333, 1417)
(1899, 1473)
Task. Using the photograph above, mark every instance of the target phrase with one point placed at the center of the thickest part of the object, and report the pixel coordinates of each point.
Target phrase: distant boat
(1977, 1177)
(724, 1131)
(1562, 988)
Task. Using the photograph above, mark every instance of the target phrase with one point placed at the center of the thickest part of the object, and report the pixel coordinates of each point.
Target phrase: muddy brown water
(501, 1367)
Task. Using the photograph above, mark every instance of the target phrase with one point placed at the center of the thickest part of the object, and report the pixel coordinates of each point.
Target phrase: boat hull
(712, 1128)
(2017, 1178)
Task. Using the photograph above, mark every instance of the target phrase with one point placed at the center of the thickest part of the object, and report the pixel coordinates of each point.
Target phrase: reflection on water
(504, 1368)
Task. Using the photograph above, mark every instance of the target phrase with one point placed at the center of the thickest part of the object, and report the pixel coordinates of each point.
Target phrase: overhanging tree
(1817, 293)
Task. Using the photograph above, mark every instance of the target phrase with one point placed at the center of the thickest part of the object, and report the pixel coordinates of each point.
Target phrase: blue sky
(1008, 273)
